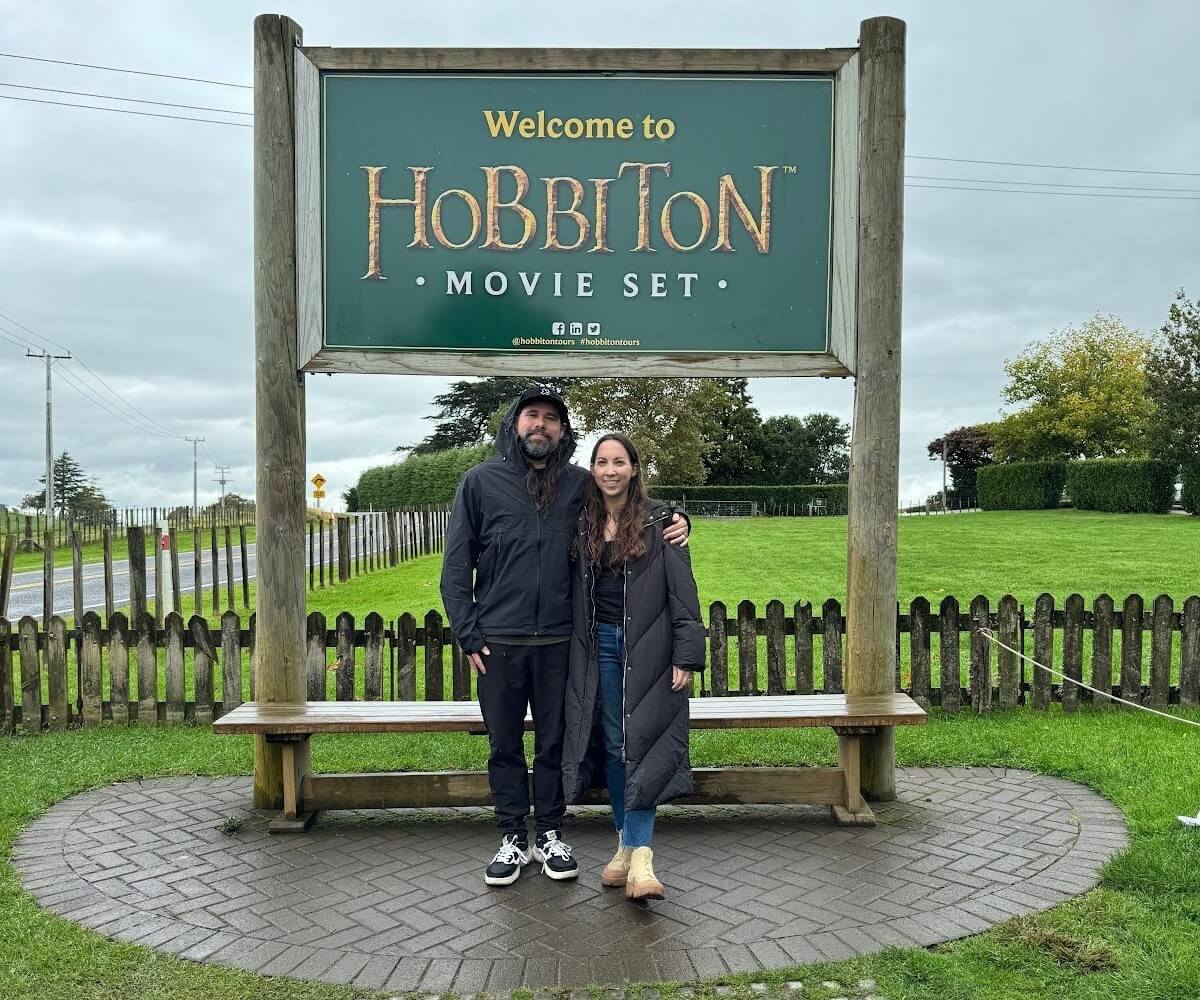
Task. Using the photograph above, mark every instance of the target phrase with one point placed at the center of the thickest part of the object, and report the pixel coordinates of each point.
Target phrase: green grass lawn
(1137, 937)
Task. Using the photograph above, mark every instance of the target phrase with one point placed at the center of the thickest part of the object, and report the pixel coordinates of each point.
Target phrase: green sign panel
(614, 214)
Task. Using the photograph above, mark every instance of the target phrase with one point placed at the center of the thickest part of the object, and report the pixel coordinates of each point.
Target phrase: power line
(120, 399)
(1053, 166)
(1056, 184)
(92, 396)
(1061, 194)
(123, 111)
(119, 69)
(133, 100)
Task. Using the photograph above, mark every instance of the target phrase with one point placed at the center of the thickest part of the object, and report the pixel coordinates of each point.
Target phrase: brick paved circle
(396, 899)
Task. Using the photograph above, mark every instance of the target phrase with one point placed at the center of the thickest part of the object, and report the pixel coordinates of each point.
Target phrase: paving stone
(394, 900)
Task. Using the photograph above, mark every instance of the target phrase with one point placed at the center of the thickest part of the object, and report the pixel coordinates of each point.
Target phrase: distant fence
(338, 549)
(33, 528)
(171, 675)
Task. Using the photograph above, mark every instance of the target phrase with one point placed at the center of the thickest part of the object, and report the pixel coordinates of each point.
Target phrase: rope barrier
(987, 633)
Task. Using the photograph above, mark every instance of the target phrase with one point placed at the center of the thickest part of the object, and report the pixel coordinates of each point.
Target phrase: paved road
(26, 596)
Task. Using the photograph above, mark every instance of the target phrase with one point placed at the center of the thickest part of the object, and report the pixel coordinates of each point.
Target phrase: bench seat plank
(780, 711)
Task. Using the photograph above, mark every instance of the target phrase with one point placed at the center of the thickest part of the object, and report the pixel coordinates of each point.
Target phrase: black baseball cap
(543, 392)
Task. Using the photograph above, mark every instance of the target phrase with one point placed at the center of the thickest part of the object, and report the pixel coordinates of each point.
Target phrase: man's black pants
(518, 676)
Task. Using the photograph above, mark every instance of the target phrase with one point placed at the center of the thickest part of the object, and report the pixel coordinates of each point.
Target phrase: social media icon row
(574, 329)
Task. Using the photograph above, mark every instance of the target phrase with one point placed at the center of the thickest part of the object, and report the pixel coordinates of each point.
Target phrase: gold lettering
(705, 220)
(760, 232)
(553, 212)
(494, 204)
(502, 121)
(643, 170)
(374, 201)
(601, 184)
(471, 204)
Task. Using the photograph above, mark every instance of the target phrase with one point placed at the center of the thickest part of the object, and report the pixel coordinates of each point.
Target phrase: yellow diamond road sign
(318, 481)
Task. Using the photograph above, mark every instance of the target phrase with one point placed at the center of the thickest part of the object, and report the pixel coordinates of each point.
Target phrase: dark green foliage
(1122, 485)
(769, 498)
(419, 479)
(1021, 485)
(1191, 487)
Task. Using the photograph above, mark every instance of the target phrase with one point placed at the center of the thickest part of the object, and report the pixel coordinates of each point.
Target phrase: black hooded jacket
(506, 569)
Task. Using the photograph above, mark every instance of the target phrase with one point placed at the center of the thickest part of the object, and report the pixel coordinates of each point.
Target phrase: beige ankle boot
(641, 883)
(617, 869)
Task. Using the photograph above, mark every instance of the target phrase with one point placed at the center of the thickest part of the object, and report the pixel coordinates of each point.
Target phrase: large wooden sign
(663, 216)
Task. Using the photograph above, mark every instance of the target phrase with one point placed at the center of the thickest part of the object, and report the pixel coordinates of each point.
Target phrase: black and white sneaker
(555, 857)
(506, 866)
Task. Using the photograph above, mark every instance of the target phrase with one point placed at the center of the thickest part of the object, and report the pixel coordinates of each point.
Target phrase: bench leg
(854, 811)
(295, 767)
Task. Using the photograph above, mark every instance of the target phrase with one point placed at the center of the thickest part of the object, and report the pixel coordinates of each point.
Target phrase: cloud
(129, 239)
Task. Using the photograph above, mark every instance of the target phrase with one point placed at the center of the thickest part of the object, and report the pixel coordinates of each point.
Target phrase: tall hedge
(1021, 485)
(1122, 485)
(767, 497)
(419, 479)
(1191, 487)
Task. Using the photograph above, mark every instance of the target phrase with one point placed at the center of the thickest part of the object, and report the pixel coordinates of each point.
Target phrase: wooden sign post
(749, 222)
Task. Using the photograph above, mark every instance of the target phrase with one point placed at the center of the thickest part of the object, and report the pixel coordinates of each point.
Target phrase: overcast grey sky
(128, 239)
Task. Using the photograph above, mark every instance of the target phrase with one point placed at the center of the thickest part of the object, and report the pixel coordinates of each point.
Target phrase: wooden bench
(305, 794)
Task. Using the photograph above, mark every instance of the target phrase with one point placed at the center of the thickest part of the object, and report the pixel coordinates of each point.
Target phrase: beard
(535, 449)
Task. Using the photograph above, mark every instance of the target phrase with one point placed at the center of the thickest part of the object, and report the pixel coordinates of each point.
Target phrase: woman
(637, 637)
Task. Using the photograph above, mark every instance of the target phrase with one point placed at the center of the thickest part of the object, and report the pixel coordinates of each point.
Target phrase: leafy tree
(465, 408)
(350, 497)
(813, 449)
(35, 501)
(90, 504)
(669, 419)
(1173, 383)
(967, 448)
(69, 484)
(736, 439)
(1083, 395)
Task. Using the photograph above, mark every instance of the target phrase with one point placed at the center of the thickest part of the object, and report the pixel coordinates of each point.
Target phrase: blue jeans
(636, 827)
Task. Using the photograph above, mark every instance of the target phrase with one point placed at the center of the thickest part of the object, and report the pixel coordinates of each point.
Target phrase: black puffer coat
(663, 628)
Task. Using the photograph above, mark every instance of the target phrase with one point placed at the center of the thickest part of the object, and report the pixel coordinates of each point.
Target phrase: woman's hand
(680, 678)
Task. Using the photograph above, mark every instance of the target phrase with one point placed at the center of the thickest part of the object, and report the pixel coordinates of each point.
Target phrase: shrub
(768, 498)
(418, 480)
(1022, 485)
(1122, 485)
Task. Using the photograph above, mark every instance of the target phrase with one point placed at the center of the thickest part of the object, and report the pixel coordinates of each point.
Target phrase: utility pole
(49, 359)
(945, 453)
(222, 472)
(195, 480)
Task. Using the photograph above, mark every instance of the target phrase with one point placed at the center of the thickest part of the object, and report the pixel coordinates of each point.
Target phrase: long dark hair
(627, 543)
(542, 484)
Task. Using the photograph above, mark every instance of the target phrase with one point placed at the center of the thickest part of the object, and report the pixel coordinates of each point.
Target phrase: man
(506, 587)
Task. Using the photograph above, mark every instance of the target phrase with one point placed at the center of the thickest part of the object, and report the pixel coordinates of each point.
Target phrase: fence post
(1189, 654)
(831, 646)
(315, 636)
(776, 655)
(203, 656)
(434, 667)
(803, 642)
(137, 572)
(231, 666)
(747, 649)
(406, 670)
(56, 670)
(981, 656)
(1160, 650)
(1008, 630)
(147, 669)
(373, 657)
(7, 714)
(950, 655)
(1103, 616)
(1043, 650)
(1131, 648)
(31, 675)
(918, 651)
(118, 667)
(173, 626)
(1072, 652)
(344, 676)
